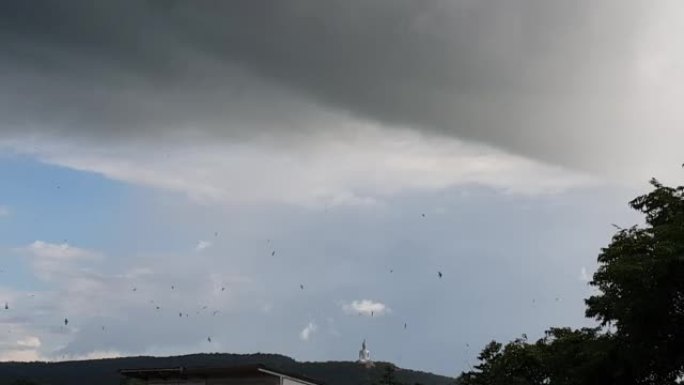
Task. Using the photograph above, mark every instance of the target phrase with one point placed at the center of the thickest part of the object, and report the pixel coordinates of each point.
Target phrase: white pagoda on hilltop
(364, 356)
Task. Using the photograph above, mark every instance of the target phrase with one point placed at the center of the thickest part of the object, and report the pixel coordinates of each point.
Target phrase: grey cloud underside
(549, 80)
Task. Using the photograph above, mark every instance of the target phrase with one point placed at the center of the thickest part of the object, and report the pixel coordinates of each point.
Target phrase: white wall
(288, 381)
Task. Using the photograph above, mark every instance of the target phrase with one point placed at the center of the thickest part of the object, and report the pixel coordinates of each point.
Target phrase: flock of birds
(213, 313)
(181, 314)
(222, 289)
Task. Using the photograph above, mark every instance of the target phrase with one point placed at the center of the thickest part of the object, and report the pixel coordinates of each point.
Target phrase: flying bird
(439, 274)
(404, 325)
(213, 313)
(6, 306)
(157, 307)
(301, 286)
(223, 289)
(103, 328)
(216, 233)
(135, 289)
(372, 313)
(172, 287)
(66, 322)
(209, 339)
(423, 215)
(272, 253)
(180, 314)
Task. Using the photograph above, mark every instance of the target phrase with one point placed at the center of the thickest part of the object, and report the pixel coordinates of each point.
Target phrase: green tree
(388, 375)
(516, 363)
(640, 305)
(641, 288)
(582, 357)
(563, 357)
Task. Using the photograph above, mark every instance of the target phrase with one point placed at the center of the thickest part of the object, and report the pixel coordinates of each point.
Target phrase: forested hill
(105, 371)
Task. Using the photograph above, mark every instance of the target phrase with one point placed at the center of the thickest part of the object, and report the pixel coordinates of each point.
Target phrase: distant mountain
(105, 371)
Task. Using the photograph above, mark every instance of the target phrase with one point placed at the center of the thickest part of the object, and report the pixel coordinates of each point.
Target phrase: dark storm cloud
(544, 79)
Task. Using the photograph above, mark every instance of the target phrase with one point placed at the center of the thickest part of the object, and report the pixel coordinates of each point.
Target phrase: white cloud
(360, 163)
(20, 343)
(584, 275)
(99, 303)
(366, 307)
(94, 355)
(308, 331)
(20, 355)
(52, 261)
(29, 342)
(202, 245)
(62, 251)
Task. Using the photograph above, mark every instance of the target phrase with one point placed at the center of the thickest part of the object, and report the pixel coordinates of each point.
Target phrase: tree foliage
(639, 304)
(641, 284)
(388, 375)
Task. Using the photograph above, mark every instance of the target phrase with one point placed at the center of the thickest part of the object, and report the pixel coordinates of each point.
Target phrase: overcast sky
(291, 177)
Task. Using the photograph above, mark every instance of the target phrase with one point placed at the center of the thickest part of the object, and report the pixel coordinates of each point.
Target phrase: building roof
(226, 371)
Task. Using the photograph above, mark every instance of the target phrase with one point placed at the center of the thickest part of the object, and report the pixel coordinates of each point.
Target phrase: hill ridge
(105, 370)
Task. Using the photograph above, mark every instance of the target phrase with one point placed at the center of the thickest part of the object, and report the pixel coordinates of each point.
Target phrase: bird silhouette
(423, 215)
(439, 274)
(301, 286)
(6, 306)
(66, 322)
(157, 307)
(404, 325)
(372, 313)
(272, 253)
(209, 339)
(172, 287)
(103, 328)
(223, 289)
(180, 314)
(135, 289)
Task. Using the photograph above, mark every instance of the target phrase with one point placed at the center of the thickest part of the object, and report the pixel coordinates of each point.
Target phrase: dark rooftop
(227, 371)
